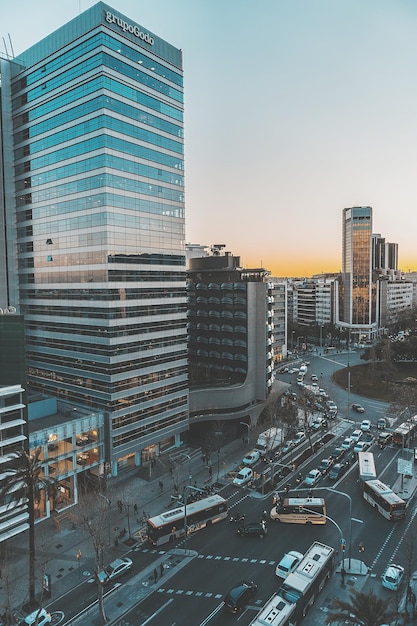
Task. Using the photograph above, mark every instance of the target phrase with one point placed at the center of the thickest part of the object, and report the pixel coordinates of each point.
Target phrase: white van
(251, 457)
(41, 615)
(243, 477)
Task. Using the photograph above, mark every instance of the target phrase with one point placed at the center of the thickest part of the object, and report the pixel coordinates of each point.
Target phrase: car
(315, 385)
(384, 438)
(253, 529)
(299, 438)
(40, 617)
(314, 378)
(361, 446)
(114, 570)
(238, 597)
(288, 445)
(366, 425)
(325, 465)
(243, 477)
(347, 443)
(317, 423)
(338, 470)
(288, 563)
(382, 423)
(251, 457)
(358, 408)
(312, 477)
(82, 459)
(392, 577)
(356, 435)
(338, 453)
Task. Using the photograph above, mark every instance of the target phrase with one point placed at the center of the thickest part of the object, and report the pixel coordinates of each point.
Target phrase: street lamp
(247, 426)
(185, 510)
(189, 466)
(108, 514)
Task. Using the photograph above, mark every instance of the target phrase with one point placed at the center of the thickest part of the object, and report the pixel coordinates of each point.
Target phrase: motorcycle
(237, 518)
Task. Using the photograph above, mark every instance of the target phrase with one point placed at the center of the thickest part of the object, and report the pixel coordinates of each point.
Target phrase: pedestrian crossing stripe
(235, 559)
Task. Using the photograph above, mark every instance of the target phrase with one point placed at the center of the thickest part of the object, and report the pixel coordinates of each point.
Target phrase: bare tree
(93, 510)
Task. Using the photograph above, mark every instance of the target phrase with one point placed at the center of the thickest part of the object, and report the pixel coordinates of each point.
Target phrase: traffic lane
(84, 594)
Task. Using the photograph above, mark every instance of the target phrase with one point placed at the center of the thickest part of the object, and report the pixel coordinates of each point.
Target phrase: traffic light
(361, 547)
(343, 546)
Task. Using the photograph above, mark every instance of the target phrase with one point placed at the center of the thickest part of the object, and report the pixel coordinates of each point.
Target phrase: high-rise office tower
(357, 291)
(92, 209)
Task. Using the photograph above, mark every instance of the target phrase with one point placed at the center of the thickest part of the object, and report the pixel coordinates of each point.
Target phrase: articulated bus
(300, 511)
(382, 498)
(171, 524)
(366, 466)
(300, 589)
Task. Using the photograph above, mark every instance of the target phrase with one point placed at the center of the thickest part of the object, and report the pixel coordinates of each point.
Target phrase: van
(243, 477)
(384, 438)
(251, 457)
(39, 617)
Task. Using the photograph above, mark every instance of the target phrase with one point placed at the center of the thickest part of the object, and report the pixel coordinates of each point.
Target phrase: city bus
(382, 498)
(300, 589)
(300, 511)
(366, 466)
(404, 434)
(170, 525)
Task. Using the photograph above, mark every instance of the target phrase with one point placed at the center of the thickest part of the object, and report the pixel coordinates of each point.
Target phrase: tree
(365, 608)
(21, 483)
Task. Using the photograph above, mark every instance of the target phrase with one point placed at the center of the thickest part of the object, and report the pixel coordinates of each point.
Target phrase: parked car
(314, 378)
(366, 425)
(288, 563)
(251, 457)
(114, 570)
(82, 459)
(288, 445)
(392, 577)
(361, 446)
(356, 435)
(312, 478)
(338, 470)
(39, 617)
(253, 529)
(318, 422)
(239, 596)
(358, 408)
(243, 477)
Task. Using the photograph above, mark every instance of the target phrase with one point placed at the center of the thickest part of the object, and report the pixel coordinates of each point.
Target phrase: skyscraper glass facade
(97, 116)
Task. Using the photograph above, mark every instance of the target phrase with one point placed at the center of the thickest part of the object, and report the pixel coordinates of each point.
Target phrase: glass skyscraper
(92, 208)
(357, 291)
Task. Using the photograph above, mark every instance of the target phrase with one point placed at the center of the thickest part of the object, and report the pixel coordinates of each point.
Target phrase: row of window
(132, 293)
(101, 161)
(97, 276)
(101, 142)
(91, 125)
(99, 39)
(131, 185)
(150, 429)
(112, 332)
(110, 313)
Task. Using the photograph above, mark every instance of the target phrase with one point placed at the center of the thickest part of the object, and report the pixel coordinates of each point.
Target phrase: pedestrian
(161, 569)
(264, 516)
(155, 575)
(135, 508)
(161, 486)
(195, 483)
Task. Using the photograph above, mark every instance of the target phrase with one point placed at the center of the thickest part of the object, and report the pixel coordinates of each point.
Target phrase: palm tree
(365, 608)
(21, 482)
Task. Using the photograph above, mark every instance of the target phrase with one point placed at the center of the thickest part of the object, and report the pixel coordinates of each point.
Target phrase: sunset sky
(294, 109)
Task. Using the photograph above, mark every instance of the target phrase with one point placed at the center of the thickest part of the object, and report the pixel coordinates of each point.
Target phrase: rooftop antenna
(11, 45)
(5, 47)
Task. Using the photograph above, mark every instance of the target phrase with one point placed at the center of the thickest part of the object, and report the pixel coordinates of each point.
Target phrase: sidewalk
(58, 548)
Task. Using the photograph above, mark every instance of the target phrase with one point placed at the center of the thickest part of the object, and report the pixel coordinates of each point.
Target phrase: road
(195, 594)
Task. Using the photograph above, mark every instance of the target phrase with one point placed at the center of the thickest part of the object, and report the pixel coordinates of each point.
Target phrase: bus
(170, 525)
(300, 589)
(404, 434)
(382, 498)
(300, 511)
(366, 466)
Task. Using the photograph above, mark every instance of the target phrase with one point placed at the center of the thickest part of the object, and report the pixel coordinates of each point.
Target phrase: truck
(269, 441)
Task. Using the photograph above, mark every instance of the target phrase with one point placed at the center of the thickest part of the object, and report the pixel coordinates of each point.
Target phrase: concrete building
(92, 207)
(230, 328)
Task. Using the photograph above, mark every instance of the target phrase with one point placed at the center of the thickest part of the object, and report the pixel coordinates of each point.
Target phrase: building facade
(92, 208)
(230, 328)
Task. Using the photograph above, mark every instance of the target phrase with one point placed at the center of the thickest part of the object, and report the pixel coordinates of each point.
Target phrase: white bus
(384, 500)
(366, 466)
(299, 590)
(171, 524)
(300, 511)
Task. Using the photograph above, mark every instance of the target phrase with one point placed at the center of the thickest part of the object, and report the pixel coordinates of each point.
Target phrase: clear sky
(295, 109)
